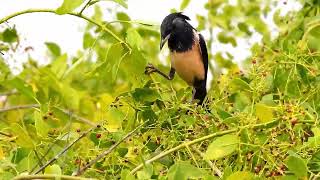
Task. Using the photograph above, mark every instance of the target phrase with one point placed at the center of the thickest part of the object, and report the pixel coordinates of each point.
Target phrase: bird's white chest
(189, 64)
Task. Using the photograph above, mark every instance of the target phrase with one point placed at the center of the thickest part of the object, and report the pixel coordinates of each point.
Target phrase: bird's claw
(150, 69)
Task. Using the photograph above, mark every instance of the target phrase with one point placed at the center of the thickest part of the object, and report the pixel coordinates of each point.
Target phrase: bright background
(67, 31)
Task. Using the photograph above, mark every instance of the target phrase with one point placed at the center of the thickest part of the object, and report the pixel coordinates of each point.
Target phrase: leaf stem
(104, 28)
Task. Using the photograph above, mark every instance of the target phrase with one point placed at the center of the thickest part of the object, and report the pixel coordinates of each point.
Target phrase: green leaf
(23, 138)
(125, 175)
(241, 175)
(41, 126)
(53, 48)
(297, 166)
(88, 40)
(53, 169)
(59, 66)
(145, 95)
(22, 87)
(264, 113)
(239, 84)
(184, 4)
(115, 118)
(68, 6)
(222, 146)
(134, 38)
(244, 28)
(224, 38)
(184, 171)
(10, 35)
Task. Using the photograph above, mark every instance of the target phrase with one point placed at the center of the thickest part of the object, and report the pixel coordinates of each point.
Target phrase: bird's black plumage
(188, 51)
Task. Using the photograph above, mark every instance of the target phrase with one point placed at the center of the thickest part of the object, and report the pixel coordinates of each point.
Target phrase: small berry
(254, 61)
(78, 130)
(50, 113)
(77, 161)
(98, 136)
(45, 117)
(294, 121)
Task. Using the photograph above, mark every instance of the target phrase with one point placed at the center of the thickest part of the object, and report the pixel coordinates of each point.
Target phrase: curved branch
(28, 11)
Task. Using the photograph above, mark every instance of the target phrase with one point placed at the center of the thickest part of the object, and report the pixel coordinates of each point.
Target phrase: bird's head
(171, 24)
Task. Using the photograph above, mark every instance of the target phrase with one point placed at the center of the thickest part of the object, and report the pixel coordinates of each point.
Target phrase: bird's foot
(150, 69)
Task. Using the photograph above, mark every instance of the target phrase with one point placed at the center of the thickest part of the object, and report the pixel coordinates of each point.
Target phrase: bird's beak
(163, 41)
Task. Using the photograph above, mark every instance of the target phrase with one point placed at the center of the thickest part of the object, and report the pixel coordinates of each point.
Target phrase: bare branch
(8, 93)
(105, 153)
(29, 106)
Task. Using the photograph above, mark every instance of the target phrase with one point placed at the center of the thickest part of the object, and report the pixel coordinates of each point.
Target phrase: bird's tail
(200, 94)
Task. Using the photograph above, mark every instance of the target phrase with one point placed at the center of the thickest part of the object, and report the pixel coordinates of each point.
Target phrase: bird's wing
(204, 54)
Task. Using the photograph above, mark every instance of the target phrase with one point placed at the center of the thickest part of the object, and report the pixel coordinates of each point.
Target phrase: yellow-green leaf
(222, 146)
(68, 6)
(41, 126)
(184, 4)
(53, 169)
(23, 138)
(264, 113)
(241, 175)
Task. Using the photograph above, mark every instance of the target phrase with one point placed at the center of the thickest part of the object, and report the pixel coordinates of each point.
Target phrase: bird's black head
(177, 31)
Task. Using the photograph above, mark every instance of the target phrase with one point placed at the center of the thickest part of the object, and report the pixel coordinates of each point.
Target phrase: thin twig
(5, 134)
(85, 6)
(212, 166)
(49, 176)
(79, 118)
(106, 152)
(29, 106)
(64, 150)
(8, 93)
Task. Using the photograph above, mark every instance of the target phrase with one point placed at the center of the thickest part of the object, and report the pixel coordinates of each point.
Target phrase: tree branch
(108, 151)
(8, 93)
(85, 6)
(63, 151)
(104, 28)
(29, 106)
(189, 143)
(49, 176)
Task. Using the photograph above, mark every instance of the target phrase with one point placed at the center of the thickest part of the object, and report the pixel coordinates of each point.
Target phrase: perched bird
(188, 51)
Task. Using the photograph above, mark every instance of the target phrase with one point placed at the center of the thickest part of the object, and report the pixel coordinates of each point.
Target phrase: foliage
(263, 119)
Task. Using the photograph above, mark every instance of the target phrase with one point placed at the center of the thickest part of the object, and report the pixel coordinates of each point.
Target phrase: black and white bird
(188, 51)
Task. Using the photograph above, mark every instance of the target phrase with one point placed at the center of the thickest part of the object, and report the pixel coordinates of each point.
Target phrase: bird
(188, 54)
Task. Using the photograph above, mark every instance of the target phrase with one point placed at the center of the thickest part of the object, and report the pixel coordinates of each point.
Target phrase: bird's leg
(151, 69)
